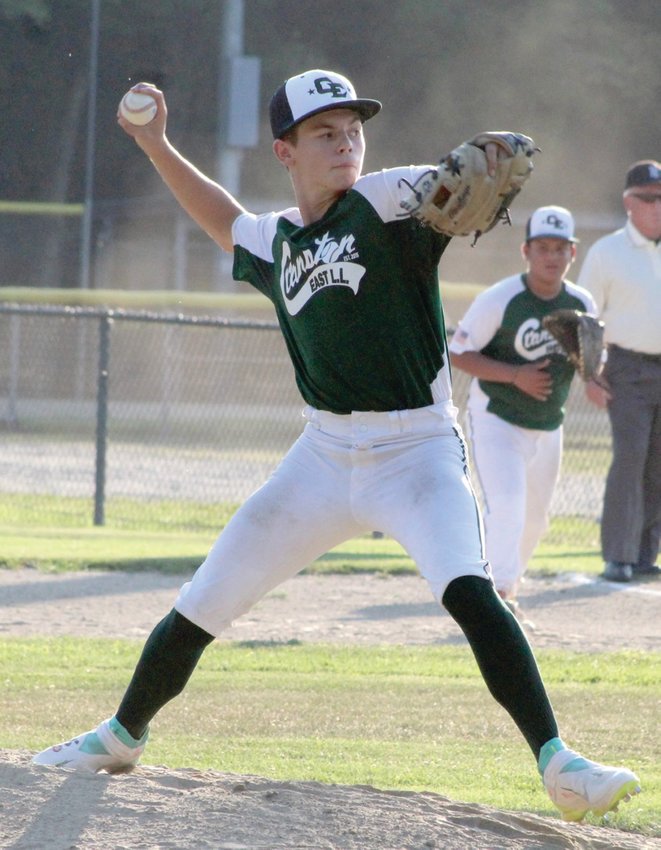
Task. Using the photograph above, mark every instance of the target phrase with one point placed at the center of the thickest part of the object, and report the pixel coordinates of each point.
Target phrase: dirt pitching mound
(154, 808)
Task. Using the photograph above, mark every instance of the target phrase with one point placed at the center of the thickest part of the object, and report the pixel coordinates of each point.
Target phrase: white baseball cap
(311, 92)
(551, 223)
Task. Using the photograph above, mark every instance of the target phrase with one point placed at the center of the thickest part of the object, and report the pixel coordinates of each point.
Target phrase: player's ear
(283, 151)
(627, 203)
(524, 251)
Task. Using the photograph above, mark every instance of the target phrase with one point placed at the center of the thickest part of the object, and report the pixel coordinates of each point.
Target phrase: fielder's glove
(581, 337)
(459, 197)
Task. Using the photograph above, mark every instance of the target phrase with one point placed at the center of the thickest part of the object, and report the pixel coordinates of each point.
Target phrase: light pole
(238, 109)
(86, 221)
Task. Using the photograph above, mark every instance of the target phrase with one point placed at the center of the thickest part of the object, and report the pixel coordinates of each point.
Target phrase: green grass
(67, 549)
(71, 549)
(75, 547)
(166, 517)
(142, 299)
(109, 549)
(411, 718)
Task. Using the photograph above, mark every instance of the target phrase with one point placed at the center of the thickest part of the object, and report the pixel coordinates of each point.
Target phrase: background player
(516, 400)
(355, 287)
(623, 272)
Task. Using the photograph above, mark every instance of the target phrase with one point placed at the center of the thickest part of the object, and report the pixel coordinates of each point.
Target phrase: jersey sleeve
(479, 324)
(252, 237)
(385, 190)
(255, 233)
(585, 297)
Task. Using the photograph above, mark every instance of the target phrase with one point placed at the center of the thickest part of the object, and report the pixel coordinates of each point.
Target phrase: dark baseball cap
(315, 91)
(646, 172)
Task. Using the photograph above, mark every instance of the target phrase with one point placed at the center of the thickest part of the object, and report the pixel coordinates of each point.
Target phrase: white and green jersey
(356, 295)
(505, 323)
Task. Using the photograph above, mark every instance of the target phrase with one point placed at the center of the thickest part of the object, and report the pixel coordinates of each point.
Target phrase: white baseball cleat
(99, 749)
(578, 786)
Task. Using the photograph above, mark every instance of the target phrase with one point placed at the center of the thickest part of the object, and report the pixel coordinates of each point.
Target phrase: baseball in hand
(138, 108)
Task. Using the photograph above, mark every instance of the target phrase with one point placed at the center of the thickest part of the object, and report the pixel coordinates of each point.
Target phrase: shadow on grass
(165, 566)
(346, 563)
(321, 568)
(332, 564)
(363, 556)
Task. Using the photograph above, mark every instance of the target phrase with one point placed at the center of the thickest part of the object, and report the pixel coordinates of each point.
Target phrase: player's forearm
(211, 206)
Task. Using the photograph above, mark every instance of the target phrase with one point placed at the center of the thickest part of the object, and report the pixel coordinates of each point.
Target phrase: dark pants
(631, 519)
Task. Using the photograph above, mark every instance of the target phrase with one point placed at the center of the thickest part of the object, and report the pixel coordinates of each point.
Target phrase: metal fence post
(102, 418)
(14, 369)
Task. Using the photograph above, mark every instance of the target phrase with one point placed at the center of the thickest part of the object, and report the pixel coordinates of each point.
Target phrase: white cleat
(99, 749)
(578, 786)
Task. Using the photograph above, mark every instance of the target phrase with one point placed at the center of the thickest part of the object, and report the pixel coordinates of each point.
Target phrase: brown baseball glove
(581, 337)
(459, 197)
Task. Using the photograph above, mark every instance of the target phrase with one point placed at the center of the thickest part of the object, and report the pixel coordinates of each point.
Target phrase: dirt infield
(155, 808)
(569, 612)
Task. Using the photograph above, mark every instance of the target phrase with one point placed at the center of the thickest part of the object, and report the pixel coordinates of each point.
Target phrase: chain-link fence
(134, 419)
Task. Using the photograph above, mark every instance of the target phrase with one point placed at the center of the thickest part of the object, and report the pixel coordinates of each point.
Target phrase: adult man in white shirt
(623, 273)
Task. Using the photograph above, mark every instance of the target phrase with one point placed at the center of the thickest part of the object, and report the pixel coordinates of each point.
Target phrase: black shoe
(616, 571)
(646, 570)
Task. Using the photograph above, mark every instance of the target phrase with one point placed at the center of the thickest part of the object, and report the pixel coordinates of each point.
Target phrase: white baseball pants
(517, 469)
(401, 472)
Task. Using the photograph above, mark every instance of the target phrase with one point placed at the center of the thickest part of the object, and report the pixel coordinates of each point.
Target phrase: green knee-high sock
(168, 659)
(504, 657)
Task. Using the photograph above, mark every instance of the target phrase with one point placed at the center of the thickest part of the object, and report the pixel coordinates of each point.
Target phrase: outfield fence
(151, 420)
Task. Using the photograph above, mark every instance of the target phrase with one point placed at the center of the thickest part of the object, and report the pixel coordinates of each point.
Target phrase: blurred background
(582, 77)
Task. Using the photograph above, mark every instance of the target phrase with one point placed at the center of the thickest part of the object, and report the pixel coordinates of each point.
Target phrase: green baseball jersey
(356, 295)
(505, 323)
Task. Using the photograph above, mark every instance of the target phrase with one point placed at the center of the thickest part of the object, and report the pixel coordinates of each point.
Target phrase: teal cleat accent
(109, 747)
(578, 786)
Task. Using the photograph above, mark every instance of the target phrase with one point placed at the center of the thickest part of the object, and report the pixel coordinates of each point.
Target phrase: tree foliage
(581, 76)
